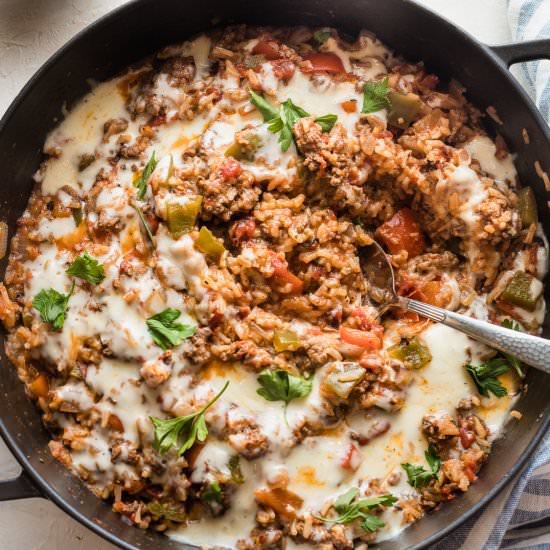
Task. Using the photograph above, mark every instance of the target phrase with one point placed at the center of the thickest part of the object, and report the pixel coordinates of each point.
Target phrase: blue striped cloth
(519, 518)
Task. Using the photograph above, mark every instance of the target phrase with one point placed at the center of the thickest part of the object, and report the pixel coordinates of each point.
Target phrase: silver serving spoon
(532, 350)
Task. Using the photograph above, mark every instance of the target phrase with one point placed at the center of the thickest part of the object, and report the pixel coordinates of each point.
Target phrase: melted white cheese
(483, 150)
(81, 133)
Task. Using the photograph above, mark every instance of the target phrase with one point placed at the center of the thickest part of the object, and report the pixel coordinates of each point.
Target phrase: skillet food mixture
(185, 298)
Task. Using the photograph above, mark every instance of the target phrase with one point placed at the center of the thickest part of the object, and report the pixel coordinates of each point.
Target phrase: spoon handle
(532, 350)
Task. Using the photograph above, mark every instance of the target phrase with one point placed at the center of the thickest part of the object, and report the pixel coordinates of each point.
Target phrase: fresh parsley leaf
(141, 183)
(485, 376)
(275, 125)
(433, 460)
(343, 501)
(326, 122)
(290, 113)
(165, 332)
(267, 110)
(189, 429)
(279, 385)
(321, 36)
(52, 306)
(371, 523)
(418, 476)
(349, 509)
(87, 268)
(279, 121)
(213, 493)
(515, 363)
(143, 221)
(375, 96)
(285, 138)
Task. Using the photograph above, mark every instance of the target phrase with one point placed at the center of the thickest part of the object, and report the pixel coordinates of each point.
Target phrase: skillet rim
(45, 490)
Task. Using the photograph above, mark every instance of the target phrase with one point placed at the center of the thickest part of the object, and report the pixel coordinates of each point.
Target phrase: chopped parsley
(349, 508)
(165, 332)
(187, 429)
(375, 96)
(485, 376)
(87, 268)
(418, 476)
(52, 306)
(267, 110)
(282, 121)
(279, 385)
(326, 122)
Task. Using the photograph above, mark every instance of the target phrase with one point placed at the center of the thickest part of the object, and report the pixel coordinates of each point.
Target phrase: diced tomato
(368, 323)
(402, 232)
(283, 69)
(230, 169)
(428, 292)
(242, 230)
(325, 61)
(467, 437)
(283, 276)
(431, 293)
(349, 106)
(268, 48)
(351, 459)
(470, 472)
(361, 338)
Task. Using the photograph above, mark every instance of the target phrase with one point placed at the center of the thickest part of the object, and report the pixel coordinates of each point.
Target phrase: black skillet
(139, 28)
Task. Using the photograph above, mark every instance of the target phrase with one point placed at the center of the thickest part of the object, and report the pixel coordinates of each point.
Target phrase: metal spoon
(378, 271)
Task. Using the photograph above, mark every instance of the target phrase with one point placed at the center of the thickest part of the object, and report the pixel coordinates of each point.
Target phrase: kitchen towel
(519, 518)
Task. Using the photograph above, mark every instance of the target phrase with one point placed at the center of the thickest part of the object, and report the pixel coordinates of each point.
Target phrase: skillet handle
(20, 487)
(530, 50)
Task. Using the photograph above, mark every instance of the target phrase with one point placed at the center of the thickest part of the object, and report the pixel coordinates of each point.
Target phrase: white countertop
(32, 30)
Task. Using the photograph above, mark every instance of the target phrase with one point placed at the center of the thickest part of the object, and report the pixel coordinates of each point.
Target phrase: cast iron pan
(141, 27)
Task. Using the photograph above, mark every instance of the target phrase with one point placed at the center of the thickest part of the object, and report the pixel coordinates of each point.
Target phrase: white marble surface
(30, 31)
